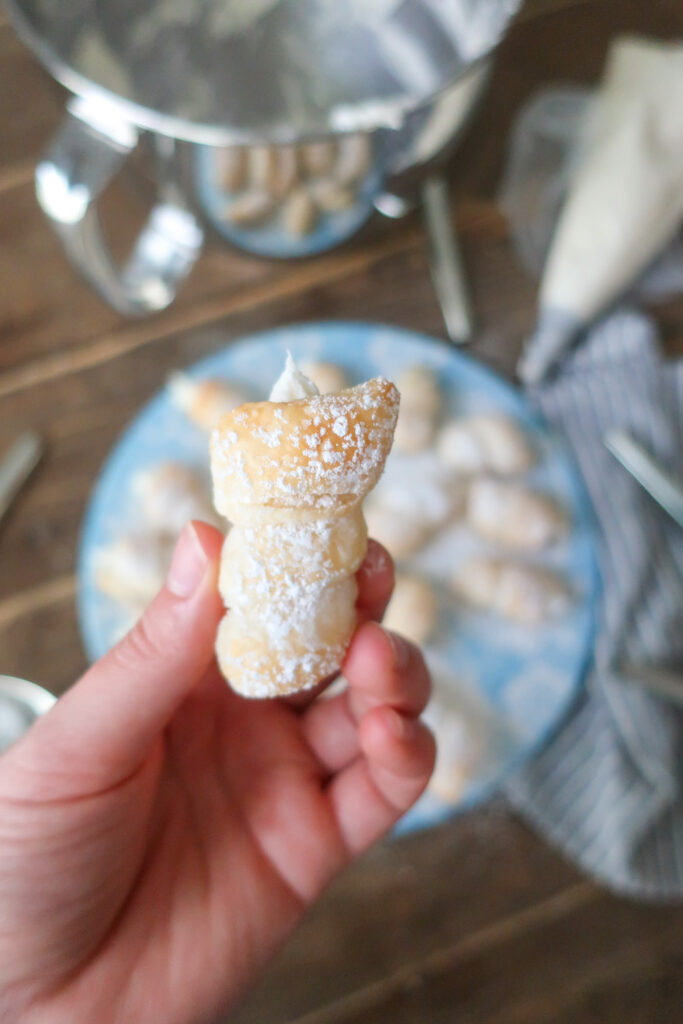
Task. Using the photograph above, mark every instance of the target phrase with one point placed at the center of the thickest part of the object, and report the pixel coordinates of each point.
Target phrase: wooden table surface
(477, 921)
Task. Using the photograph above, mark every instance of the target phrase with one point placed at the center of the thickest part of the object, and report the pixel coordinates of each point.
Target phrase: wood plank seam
(632, 963)
(113, 345)
(15, 177)
(36, 598)
(207, 313)
(406, 978)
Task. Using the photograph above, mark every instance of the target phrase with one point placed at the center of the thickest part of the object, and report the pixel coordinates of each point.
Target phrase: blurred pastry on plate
(401, 535)
(327, 377)
(286, 171)
(459, 750)
(354, 159)
(273, 170)
(407, 509)
(524, 593)
(292, 185)
(251, 207)
(420, 407)
(171, 494)
(469, 736)
(413, 609)
(261, 167)
(132, 568)
(299, 213)
(231, 167)
(204, 401)
(514, 516)
(485, 443)
(331, 197)
(318, 158)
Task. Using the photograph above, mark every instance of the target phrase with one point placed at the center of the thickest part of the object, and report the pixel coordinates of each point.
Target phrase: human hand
(160, 835)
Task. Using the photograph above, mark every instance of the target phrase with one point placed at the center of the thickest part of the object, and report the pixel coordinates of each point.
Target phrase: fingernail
(401, 727)
(188, 564)
(376, 560)
(400, 648)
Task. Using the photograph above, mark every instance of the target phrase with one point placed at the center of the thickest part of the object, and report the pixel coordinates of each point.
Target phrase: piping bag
(625, 198)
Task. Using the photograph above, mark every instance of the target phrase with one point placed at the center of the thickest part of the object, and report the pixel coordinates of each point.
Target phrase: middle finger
(381, 669)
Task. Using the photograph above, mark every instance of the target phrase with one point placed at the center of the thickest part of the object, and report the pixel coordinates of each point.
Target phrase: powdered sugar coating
(323, 452)
(291, 478)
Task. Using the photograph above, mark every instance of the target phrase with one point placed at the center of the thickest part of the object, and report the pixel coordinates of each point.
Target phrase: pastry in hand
(290, 474)
(413, 608)
(486, 443)
(529, 594)
(171, 494)
(511, 515)
(204, 401)
(420, 405)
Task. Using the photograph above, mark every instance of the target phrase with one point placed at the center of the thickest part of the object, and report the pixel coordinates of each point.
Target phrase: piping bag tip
(555, 332)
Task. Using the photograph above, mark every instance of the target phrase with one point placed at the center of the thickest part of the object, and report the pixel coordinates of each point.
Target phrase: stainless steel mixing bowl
(206, 79)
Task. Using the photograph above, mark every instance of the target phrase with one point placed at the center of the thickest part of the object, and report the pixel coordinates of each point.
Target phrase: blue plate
(523, 680)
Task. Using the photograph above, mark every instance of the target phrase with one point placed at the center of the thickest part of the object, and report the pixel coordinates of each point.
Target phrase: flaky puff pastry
(291, 477)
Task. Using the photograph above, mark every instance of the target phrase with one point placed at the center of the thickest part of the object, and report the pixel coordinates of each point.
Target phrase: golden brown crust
(324, 452)
(291, 477)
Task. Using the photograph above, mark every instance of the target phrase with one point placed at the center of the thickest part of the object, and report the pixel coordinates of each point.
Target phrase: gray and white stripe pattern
(608, 789)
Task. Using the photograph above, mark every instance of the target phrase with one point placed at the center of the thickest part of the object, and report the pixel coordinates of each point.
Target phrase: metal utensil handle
(16, 467)
(661, 485)
(446, 265)
(85, 155)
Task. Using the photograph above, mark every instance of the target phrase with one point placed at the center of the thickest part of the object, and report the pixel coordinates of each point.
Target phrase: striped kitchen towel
(608, 789)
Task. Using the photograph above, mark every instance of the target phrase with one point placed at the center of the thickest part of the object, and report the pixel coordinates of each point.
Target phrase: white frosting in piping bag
(292, 384)
(625, 201)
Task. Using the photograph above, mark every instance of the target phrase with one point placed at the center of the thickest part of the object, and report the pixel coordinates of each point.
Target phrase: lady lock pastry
(290, 474)
(203, 400)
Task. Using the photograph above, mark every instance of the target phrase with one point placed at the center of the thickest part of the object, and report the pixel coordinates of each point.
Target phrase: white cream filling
(292, 384)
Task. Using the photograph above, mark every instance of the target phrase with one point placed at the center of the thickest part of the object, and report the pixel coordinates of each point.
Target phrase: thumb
(105, 726)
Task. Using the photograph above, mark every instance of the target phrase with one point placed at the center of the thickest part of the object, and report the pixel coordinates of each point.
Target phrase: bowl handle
(88, 150)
